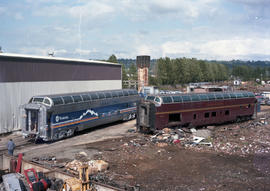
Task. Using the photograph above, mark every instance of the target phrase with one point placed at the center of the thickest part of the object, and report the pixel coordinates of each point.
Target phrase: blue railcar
(53, 117)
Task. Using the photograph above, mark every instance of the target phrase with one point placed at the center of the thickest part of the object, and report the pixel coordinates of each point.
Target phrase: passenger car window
(67, 99)
(211, 97)
(46, 101)
(150, 98)
(38, 99)
(77, 98)
(57, 101)
(167, 99)
(86, 97)
(94, 96)
(108, 95)
(177, 98)
(194, 97)
(203, 97)
(219, 96)
(101, 95)
(186, 98)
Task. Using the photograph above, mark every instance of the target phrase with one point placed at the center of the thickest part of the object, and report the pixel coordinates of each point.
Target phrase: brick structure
(143, 64)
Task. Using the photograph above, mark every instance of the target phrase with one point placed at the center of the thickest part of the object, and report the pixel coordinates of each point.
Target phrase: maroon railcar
(191, 110)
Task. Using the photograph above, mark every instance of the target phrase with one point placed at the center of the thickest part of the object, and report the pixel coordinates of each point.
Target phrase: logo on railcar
(58, 118)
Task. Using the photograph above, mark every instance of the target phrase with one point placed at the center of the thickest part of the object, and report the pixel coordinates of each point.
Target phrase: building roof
(11, 55)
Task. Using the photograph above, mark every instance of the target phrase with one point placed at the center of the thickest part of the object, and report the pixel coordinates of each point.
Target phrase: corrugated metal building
(23, 76)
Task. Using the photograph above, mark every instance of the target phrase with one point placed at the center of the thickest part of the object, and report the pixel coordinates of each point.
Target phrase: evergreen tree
(112, 59)
(132, 71)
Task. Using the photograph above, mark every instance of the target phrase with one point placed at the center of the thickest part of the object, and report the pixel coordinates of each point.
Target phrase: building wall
(21, 78)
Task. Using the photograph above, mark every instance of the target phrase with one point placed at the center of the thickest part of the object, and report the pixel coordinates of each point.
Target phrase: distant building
(207, 88)
(23, 76)
(237, 82)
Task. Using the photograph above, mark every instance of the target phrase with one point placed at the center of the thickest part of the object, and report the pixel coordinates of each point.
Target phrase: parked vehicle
(53, 117)
(191, 110)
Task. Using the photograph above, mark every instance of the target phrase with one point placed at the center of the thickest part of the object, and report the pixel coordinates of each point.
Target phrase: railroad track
(17, 139)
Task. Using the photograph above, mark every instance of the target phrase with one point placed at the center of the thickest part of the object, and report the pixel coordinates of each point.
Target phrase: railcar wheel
(55, 137)
(70, 132)
(125, 117)
(238, 120)
(62, 134)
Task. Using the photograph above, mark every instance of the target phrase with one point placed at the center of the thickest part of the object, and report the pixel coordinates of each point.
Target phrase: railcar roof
(81, 93)
(62, 99)
(192, 97)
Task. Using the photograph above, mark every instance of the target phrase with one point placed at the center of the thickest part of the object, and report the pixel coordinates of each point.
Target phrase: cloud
(18, 16)
(82, 52)
(35, 50)
(88, 10)
(226, 49)
(252, 2)
(2, 10)
(236, 48)
(60, 51)
(176, 48)
(92, 9)
(183, 8)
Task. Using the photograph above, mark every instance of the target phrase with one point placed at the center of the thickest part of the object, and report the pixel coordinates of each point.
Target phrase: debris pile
(94, 166)
(252, 137)
(184, 137)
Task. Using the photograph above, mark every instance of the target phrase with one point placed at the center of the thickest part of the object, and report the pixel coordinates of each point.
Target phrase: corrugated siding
(34, 70)
(12, 95)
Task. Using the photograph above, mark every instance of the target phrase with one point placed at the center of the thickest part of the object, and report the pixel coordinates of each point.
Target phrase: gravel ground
(231, 164)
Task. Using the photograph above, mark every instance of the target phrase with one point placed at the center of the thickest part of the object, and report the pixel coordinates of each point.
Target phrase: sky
(96, 29)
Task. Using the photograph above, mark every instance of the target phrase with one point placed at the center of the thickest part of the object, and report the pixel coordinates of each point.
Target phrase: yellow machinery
(81, 184)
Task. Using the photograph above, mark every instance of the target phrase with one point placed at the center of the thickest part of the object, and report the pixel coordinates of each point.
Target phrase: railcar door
(146, 116)
(32, 120)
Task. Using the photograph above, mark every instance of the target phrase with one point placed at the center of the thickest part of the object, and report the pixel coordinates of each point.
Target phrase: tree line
(185, 70)
(167, 71)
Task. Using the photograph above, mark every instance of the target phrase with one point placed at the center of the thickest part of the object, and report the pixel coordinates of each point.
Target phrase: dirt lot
(176, 168)
(239, 158)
